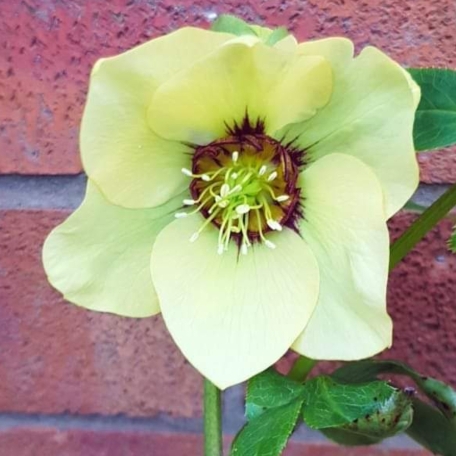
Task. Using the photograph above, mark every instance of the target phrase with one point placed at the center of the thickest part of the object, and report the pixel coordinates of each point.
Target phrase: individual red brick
(45, 441)
(49, 47)
(56, 357)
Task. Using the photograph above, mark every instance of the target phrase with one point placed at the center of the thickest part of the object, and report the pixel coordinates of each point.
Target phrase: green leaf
(394, 417)
(432, 430)
(270, 389)
(422, 225)
(267, 434)
(435, 119)
(347, 438)
(331, 404)
(277, 34)
(231, 24)
(441, 394)
(367, 371)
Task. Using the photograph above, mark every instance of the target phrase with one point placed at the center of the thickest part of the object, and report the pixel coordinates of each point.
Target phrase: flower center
(245, 185)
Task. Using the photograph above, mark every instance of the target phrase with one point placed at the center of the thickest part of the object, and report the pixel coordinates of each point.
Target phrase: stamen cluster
(245, 188)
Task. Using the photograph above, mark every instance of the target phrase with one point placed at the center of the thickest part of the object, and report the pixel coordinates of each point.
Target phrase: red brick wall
(79, 383)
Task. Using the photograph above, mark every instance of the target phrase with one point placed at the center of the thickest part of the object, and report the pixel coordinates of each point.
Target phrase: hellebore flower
(242, 190)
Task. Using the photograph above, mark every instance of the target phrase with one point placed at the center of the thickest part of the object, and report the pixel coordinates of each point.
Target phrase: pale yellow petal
(99, 257)
(339, 51)
(370, 116)
(345, 228)
(244, 76)
(414, 88)
(303, 87)
(232, 315)
(198, 104)
(130, 163)
(262, 32)
(287, 44)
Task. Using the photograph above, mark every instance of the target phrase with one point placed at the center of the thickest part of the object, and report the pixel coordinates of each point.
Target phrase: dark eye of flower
(246, 185)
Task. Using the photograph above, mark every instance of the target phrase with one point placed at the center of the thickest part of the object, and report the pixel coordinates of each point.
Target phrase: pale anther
(236, 188)
(244, 249)
(262, 170)
(234, 175)
(269, 244)
(194, 237)
(220, 249)
(272, 176)
(274, 225)
(187, 172)
(282, 198)
(246, 178)
(224, 190)
(189, 202)
(243, 209)
(180, 214)
(205, 178)
(235, 156)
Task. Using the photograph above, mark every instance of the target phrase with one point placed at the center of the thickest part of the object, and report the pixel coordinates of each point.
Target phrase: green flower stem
(301, 368)
(423, 224)
(212, 420)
